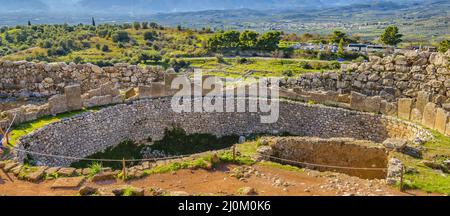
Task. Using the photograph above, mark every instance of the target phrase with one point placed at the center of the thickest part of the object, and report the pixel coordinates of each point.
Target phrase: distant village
(360, 48)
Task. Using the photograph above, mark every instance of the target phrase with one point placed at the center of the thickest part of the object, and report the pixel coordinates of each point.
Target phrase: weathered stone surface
(429, 115)
(372, 104)
(395, 144)
(404, 108)
(87, 190)
(357, 101)
(36, 175)
(422, 99)
(131, 93)
(395, 168)
(441, 120)
(103, 176)
(66, 171)
(57, 104)
(52, 170)
(248, 191)
(416, 116)
(68, 183)
(73, 97)
(10, 166)
(144, 119)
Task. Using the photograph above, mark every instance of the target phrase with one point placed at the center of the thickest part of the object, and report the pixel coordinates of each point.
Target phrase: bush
(105, 48)
(288, 73)
(150, 35)
(304, 65)
(220, 58)
(121, 36)
(334, 65)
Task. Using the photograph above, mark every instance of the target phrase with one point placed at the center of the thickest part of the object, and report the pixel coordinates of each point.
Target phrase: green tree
(121, 36)
(230, 39)
(150, 35)
(338, 36)
(340, 52)
(269, 41)
(136, 25)
(444, 46)
(144, 25)
(391, 36)
(248, 39)
(105, 48)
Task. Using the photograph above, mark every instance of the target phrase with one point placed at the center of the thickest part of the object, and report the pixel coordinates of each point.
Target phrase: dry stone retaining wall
(23, 78)
(342, 152)
(92, 132)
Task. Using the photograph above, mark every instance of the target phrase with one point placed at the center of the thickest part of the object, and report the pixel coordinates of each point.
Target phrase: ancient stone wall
(401, 75)
(329, 153)
(139, 120)
(27, 79)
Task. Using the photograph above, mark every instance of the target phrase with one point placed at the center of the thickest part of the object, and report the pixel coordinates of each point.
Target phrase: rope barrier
(106, 160)
(93, 159)
(325, 166)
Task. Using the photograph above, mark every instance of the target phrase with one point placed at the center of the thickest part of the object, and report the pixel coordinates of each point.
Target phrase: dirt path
(264, 179)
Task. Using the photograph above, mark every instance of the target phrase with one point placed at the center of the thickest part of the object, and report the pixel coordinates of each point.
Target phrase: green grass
(427, 179)
(25, 128)
(281, 166)
(261, 67)
(201, 163)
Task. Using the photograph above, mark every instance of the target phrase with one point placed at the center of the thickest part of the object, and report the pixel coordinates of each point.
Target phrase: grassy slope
(427, 179)
(25, 128)
(261, 67)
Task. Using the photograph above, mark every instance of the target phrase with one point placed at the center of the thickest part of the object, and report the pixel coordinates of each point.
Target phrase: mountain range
(165, 6)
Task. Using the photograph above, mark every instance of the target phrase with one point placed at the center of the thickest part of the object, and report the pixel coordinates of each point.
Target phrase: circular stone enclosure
(91, 132)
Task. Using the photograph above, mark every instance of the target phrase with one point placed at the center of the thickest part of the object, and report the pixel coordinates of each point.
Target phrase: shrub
(288, 73)
(220, 58)
(121, 36)
(105, 48)
(95, 168)
(304, 65)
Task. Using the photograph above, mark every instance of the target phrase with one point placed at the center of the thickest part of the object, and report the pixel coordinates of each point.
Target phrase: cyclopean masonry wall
(414, 86)
(91, 132)
(25, 79)
(395, 76)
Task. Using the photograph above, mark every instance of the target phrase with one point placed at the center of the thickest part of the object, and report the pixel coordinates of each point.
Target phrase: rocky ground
(225, 180)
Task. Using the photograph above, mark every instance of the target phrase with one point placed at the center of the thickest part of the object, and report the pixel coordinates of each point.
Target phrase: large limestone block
(416, 115)
(158, 90)
(168, 79)
(73, 97)
(429, 115)
(387, 108)
(422, 99)
(447, 129)
(144, 91)
(109, 89)
(404, 108)
(57, 104)
(99, 101)
(441, 120)
(357, 101)
(372, 104)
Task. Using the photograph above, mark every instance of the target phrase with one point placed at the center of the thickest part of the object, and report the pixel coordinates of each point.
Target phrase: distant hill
(158, 6)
